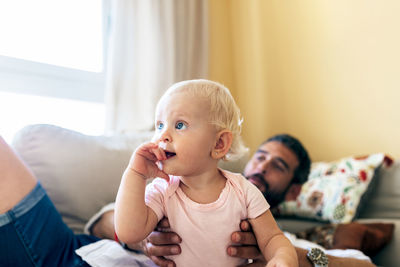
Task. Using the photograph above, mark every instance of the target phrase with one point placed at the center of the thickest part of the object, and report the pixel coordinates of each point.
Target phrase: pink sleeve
(155, 196)
(255, 201)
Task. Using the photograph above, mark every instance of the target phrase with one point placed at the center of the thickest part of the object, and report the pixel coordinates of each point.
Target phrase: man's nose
(264, 165)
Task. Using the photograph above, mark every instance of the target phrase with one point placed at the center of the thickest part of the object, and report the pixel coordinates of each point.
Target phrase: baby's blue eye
(160, 126)
(180, 126)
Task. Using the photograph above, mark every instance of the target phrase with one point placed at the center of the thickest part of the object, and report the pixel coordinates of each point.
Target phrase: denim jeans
(33, 234)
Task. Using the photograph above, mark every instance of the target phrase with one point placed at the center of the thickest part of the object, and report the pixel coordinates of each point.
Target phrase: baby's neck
(203, 189)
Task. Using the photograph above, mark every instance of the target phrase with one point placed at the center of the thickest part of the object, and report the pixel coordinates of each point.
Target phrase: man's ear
(293, 192)
(222, 145)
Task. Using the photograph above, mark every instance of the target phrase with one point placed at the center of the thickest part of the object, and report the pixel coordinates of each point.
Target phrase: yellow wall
(325, 71)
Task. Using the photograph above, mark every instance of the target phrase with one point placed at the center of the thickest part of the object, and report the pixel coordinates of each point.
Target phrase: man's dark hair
(303, 170)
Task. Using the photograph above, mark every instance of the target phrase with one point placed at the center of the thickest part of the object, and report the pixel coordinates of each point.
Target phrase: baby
(197, 124)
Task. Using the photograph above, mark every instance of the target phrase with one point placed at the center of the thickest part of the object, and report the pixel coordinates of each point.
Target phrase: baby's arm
(133, 219)
(276, 248)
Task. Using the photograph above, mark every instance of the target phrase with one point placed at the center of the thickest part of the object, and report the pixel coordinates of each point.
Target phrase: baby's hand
(144, 161)
(282, 261)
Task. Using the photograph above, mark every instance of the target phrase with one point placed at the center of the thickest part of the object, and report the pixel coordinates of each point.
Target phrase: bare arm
(333, 261)
(104, 227)
(275, 247)
(155, 246)
(16, 180)
(133, 219)
(248, 249)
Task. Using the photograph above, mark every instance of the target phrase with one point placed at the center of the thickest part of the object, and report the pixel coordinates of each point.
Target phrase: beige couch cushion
(80, 173)
(384, 200)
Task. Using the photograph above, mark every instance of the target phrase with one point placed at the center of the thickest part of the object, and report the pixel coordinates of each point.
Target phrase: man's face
(271, 169)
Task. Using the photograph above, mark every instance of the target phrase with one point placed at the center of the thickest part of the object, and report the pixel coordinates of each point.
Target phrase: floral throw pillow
(334, 190)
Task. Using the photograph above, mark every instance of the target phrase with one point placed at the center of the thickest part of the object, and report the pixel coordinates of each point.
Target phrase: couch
(81, 174)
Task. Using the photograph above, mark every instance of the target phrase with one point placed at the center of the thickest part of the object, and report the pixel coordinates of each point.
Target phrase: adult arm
(247, 248)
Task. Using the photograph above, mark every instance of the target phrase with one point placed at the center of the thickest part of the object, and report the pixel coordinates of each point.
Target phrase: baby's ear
(222, 145)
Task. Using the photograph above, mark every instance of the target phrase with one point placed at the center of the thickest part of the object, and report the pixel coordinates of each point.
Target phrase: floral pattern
(334, 190)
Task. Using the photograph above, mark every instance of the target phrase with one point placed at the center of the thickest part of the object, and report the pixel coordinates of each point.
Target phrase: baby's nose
(165, 136)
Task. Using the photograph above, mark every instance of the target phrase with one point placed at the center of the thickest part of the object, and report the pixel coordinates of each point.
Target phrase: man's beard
(273, 198)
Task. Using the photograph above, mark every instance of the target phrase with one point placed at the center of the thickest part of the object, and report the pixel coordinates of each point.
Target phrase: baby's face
(184, 132)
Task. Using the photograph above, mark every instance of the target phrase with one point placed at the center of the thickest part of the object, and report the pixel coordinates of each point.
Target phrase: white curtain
(153, 44)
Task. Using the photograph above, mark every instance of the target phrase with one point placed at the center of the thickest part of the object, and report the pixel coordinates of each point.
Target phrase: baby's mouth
(169, 154)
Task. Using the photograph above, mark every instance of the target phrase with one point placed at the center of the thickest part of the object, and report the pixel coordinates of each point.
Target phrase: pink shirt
(206, 229)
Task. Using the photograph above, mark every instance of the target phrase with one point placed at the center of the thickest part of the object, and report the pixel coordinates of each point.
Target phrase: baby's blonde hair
(224, 113)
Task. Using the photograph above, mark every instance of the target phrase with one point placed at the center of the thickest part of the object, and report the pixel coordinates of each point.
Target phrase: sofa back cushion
(384, 200)
(80, 173)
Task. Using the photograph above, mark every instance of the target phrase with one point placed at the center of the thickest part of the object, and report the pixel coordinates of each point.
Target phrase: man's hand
(247, 247)
(161, 243)
(104, 227)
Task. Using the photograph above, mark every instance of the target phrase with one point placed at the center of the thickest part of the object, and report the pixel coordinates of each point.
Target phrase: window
(52, 64)
(65, 33)
(19, 110)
